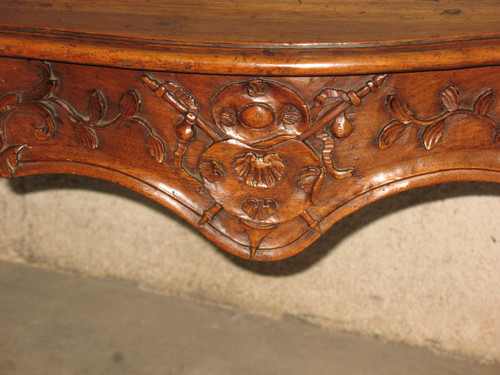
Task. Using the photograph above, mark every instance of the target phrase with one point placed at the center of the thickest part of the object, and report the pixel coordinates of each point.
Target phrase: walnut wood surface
(311, 110)
(260, 165)
(250, 22)
(283, 37)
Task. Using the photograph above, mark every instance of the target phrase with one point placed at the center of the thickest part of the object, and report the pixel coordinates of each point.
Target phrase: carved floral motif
(434, 127)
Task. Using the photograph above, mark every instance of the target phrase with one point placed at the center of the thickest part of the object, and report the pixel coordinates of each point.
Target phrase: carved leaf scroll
(433, 134)
(95, 107)
(434, 128)
(155, 147)
(44, 88)
(450, 98)
(390, 133)
(399, 109)
(8, 160)
(44, 105)
(483, 103)
(129, 104)
(85, 135)
(47, 127)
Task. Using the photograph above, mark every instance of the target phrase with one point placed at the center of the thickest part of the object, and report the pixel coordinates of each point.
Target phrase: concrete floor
(53, 323)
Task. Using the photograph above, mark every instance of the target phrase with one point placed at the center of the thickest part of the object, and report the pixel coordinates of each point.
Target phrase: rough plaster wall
(422, 267)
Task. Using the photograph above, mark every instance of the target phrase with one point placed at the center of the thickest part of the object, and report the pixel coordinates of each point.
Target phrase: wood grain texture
(262, 166)
(255, 37)
(311, 110)
(250, 22)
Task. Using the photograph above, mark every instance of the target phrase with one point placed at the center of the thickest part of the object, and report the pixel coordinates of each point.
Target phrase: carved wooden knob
(257, 116)
(185, 131)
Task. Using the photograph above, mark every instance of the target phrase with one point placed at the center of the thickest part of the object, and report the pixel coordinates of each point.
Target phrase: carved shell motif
(308, 178)
(260, 171)
(211, 170)
(259, 209)
(290, 115)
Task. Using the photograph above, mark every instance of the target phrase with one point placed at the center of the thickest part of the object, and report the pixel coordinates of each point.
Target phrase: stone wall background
(421, 267)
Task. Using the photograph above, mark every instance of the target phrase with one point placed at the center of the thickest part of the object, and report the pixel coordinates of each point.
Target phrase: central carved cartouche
(251, 169)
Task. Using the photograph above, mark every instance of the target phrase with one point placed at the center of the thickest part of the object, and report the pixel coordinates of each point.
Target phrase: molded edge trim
(380, 192)
(252, 61)
(218, 238)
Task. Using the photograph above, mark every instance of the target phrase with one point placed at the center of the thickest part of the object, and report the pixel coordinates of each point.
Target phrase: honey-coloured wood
(261, 123)
(281, 37)
(262, 166)
(260, 22)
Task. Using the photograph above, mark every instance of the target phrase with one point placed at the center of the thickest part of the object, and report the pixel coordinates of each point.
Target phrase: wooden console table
(262, 123)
